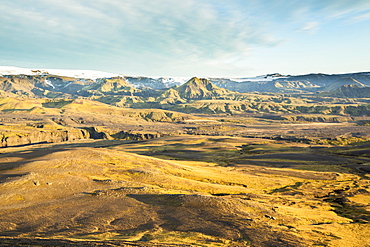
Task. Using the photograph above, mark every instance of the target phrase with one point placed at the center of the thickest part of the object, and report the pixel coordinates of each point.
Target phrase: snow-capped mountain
(71, 81)
(296, 83)
(87, 74)
(261, 78)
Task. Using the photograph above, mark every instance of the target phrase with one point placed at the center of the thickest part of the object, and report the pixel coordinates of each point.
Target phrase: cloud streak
(310, 27)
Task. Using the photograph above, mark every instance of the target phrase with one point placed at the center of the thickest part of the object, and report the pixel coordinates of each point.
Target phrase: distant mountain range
(300, 83)
(61, 83)
(270, 94)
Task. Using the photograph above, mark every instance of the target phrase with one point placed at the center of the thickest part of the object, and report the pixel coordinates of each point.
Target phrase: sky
(184, 38)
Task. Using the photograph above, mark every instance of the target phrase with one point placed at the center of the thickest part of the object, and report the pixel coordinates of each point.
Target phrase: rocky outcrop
(138, 136)
(95, 133)
(12, 139)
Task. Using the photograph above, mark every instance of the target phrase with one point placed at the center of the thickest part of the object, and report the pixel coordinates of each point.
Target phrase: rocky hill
(202, 88)
(16, 84)
(50, 86)
(170, 96)
(108, 86)
(341, 82)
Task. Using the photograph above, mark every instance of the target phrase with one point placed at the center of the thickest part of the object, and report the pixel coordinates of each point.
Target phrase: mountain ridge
(275, 83)
(349, 91)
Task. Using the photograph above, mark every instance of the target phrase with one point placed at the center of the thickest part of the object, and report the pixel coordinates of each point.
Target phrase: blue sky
(187, 37)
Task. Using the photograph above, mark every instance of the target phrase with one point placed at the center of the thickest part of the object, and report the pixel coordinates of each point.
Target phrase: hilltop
(197, 88)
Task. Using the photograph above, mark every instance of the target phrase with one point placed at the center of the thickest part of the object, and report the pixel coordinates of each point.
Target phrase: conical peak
(198, 81)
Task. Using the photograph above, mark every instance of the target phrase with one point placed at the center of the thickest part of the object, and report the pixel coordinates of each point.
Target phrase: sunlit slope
(25, 105)
(78, 106)
(97, 191)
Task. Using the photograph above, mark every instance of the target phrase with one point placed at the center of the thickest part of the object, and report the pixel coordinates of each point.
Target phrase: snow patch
(165, 82)
(258, 78)
(171, 80)
(49, 83)
(68, 84)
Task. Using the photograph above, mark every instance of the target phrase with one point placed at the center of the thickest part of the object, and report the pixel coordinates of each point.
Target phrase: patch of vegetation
(56, 103)
(287, 188)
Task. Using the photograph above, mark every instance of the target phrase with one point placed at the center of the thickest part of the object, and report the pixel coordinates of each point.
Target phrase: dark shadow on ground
(11, 242)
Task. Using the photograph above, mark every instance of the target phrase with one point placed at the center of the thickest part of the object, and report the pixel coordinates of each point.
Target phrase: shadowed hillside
(349, 91)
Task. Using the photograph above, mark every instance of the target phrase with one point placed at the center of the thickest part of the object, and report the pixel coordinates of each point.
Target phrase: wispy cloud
(311, 27)
(344, 9)
(361, 17)
(152, 35)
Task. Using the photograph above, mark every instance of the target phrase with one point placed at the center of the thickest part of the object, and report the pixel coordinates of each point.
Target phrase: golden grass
(66, 173)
